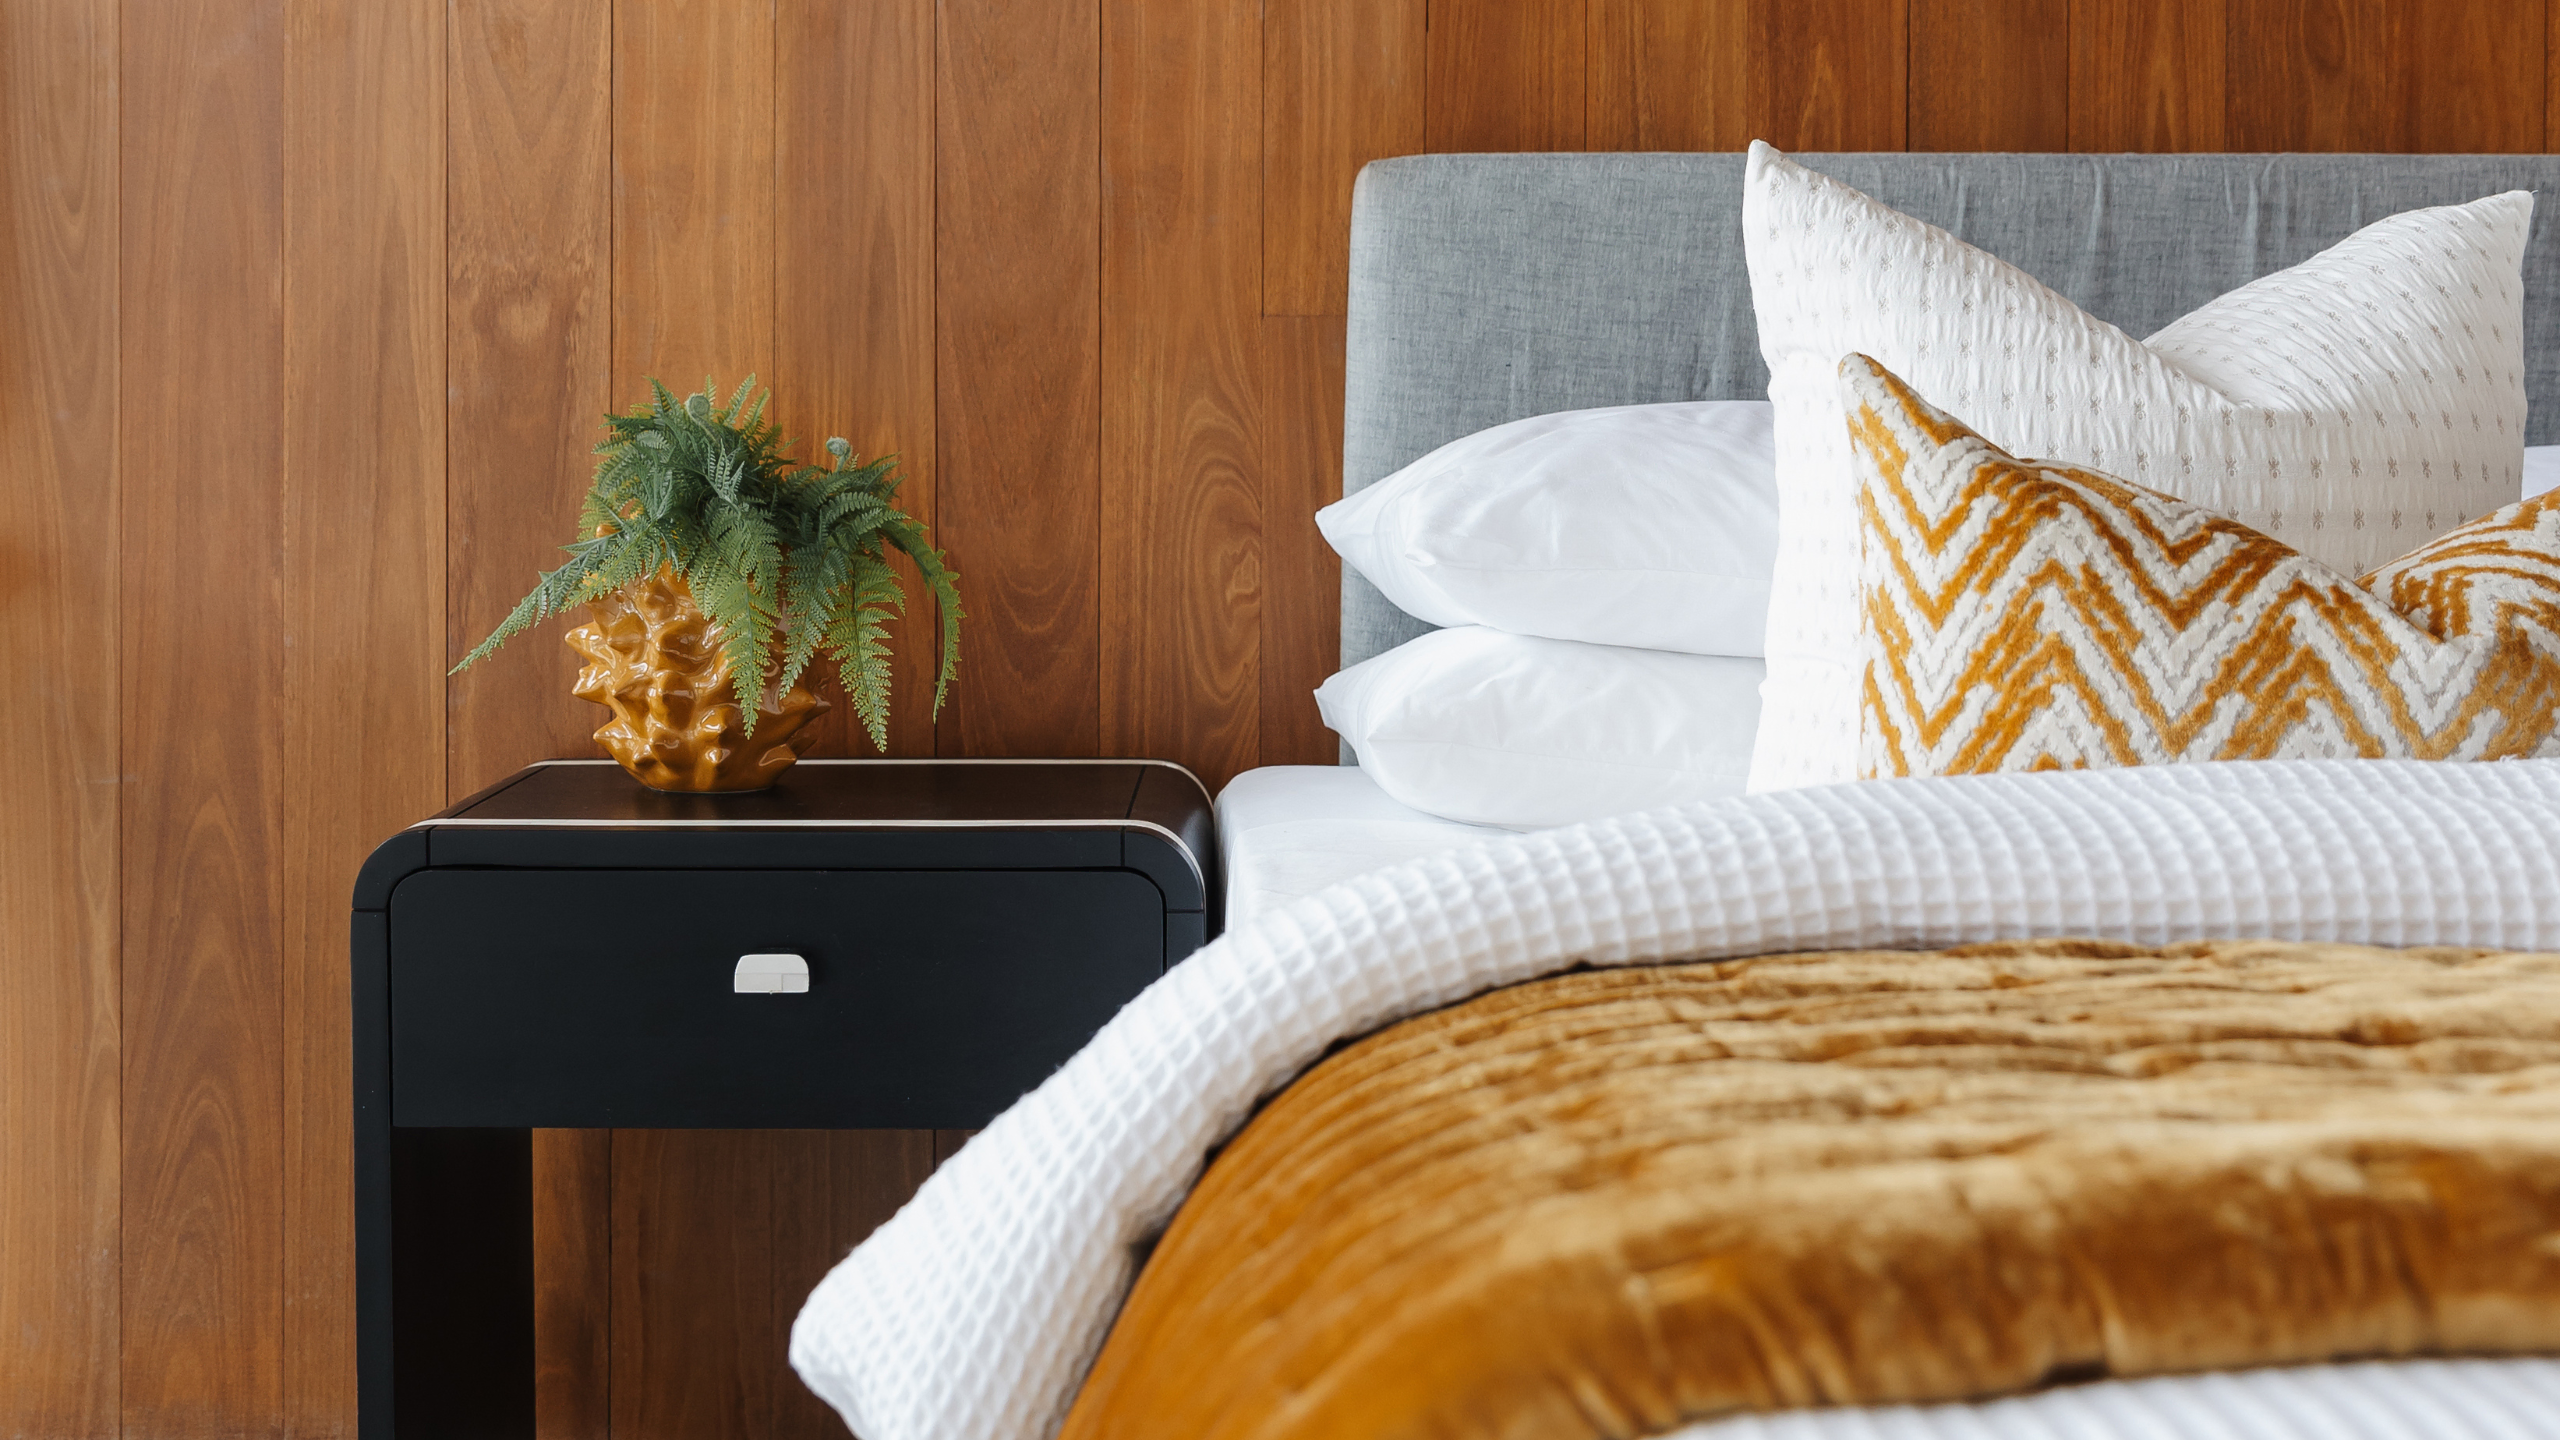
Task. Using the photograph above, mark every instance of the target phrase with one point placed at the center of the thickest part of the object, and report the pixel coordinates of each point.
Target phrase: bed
(1487, 288)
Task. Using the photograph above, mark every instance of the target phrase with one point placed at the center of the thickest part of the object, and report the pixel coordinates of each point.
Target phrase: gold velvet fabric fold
(1612, 1202)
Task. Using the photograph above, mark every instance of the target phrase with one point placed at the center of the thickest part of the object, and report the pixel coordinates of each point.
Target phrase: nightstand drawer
(591, 998)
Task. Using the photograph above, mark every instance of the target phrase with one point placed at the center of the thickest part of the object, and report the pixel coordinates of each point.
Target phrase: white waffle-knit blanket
(974, 1313)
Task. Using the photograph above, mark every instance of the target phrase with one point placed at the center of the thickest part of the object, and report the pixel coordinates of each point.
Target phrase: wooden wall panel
(830, 1190)
(1343, 86)
(1181, 381)
(205, 711)
(1301, 474)
(59, 588)
(695, 1348)
(2413, 75)
(1506, 74)
(2147, 75)
(693, 191)
(1829, 74)
(1017, 388)
(1990, 74)
(364, 517)
(1670, 74)
(853, 281)
(529, 339)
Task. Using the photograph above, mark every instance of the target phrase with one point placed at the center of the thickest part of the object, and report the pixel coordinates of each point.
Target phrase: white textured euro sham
(1488, 728)
(1646, 525)
(2353, 407)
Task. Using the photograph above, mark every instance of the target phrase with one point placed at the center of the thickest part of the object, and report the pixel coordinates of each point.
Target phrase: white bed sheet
(1288, 831)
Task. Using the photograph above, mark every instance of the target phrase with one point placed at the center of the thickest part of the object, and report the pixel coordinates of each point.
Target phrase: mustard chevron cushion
(2025, 616)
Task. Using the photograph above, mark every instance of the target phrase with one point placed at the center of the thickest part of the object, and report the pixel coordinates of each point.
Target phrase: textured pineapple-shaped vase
(655, 661)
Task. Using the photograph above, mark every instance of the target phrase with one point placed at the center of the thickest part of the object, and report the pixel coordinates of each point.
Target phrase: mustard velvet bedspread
(1612, 1202)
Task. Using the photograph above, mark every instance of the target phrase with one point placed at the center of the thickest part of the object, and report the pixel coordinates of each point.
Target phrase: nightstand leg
(454, 1336)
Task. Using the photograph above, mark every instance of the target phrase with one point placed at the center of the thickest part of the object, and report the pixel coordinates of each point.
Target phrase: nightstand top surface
(823, 792)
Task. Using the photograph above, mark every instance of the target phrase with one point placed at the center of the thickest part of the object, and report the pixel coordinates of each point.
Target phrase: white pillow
(2355, 406)
(1472, 724)
(2541, 469)
(1645, 525)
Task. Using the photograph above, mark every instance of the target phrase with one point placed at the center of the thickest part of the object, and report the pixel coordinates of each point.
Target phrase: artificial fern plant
(788, 560)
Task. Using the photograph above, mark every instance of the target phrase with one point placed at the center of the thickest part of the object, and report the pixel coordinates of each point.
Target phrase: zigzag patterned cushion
(2027, 616)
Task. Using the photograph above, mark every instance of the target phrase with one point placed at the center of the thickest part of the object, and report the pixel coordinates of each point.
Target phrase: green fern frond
(790, 561)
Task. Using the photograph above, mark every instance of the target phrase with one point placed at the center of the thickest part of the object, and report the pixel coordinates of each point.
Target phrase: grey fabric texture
(1485, 288)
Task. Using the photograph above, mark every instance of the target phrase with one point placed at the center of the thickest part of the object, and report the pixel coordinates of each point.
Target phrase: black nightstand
(871, 943)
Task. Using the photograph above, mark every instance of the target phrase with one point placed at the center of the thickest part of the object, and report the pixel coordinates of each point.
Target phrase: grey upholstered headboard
(1489, 287)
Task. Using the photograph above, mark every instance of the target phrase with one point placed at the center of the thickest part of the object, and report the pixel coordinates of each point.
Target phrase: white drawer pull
(771, 975)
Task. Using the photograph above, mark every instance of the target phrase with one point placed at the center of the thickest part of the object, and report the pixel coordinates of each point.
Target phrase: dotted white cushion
(2352, 407)
(974, 1313)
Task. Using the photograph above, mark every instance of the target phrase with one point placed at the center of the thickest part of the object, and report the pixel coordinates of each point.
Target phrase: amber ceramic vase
(654, 660)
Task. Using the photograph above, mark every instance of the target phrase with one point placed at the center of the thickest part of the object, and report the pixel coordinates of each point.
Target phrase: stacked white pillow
(1519, 730)
(1654, 526)
(1605, 577)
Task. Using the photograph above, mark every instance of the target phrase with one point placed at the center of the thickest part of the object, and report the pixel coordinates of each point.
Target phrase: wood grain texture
(853, 282)
(364, 514)
(1506, 75)
(693, 193)
(1829, 74)
(1017, 351)
(1342, 86)
(695, 1348)
(2147, 75)
(1181, 367)
(1301, 474)
(831, 1189)
(1990, 74)
(59, 588)
(529, 345)
(1670, 75)
(204, 715)
(529, 341)
(572, 1284)
(2399, 75)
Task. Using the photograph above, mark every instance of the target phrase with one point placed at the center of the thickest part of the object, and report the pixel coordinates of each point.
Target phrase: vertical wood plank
(1990, 74)
(2397, 75)
(831, 1189)
(529, 342)
(1670, 74)
(572, 1284)
(1017, 344)
(694, 200)
(1506, 75)
(529, 319)
(2307, 74)
(1301, 473)
(1830, 74)
(59, 588)
(202, 687)
(1343, 86)
(693, 192)
(2147, 75)
(694, 1343)
(1181, 297)
(364, 515)
(853, 281)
